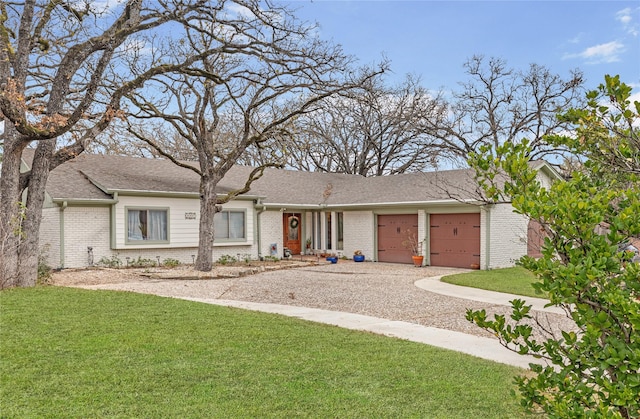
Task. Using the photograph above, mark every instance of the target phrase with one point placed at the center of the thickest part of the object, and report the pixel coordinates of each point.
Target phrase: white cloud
(103, 6)
(576, 39)
(240, 11)
(602, 53)
(626, 17)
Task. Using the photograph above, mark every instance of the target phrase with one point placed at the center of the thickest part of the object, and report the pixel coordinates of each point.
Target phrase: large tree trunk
(20, 223)
(11, 210)
(29, 250)
(208, 209)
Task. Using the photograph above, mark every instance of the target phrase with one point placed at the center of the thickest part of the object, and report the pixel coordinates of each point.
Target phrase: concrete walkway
(486, 348)
(433, 284)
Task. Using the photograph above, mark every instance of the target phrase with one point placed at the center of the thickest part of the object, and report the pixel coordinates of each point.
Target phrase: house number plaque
(189, 215)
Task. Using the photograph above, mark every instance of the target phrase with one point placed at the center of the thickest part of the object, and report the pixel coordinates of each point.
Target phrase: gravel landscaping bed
(375, 289)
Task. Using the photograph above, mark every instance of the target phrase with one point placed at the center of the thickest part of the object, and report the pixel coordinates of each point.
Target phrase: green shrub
(44, 270)
(110, 262)
(170, 262)
(591, 372)
(142, 263)
(226, 260)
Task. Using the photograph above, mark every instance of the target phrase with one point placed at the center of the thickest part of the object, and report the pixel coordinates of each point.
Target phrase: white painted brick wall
(271, 232)
(359, 233)
(50, 237)
(484, 259)
(85, 227)
(422, 232)
(508, 236)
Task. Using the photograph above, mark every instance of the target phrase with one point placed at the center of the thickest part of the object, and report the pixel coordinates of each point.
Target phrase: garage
(454, 240)
(392, 231)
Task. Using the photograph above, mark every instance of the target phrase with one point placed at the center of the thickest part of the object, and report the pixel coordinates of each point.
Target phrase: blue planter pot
(358, 258)
(332, 259)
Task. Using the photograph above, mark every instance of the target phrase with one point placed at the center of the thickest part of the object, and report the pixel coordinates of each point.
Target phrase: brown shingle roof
(97, 177)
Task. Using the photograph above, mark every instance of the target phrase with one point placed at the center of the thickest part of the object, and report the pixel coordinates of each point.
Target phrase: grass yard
(514, 280)
(75, 354)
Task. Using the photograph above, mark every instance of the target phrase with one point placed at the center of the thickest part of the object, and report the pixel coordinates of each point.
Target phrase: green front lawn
(515, 280)
(76, 354)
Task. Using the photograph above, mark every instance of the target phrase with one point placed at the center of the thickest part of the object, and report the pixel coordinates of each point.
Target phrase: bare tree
(375, 130)
(64, 68)
(269, 70)
(501, 105)
(117, 140)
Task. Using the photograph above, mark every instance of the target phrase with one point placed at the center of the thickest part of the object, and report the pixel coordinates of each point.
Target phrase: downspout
(62, 208)
(487, 229)
(112, 222)
(260, 209)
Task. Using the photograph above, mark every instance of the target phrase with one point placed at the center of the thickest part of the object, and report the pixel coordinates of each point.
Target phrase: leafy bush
(110, 262)
(44, 270)
(594, 371)
(226, 260)
(142, 263)
(170, 262)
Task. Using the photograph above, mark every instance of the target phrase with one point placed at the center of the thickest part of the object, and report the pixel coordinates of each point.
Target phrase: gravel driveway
(375, 289)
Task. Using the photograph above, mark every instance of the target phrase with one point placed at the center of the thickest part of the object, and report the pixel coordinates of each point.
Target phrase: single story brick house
(101, 206)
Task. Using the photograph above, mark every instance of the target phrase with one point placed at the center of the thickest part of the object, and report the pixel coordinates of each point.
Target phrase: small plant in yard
(226, 260)
(110, 262)
(44, 270)
(142, 263)
(170, 262)
(412, 243)
(270, 258)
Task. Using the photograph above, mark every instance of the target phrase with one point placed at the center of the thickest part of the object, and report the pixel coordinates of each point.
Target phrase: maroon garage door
(455, 240)
(535, 239)
(392, 231)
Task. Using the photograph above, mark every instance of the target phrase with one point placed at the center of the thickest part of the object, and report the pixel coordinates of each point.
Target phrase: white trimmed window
(230, 225)
(147, 225)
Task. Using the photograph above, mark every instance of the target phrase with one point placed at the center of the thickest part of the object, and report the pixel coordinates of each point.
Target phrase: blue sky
(433, 39)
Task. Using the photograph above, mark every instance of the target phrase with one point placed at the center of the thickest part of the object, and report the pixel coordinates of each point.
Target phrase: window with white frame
(147, 224)
(230, 225)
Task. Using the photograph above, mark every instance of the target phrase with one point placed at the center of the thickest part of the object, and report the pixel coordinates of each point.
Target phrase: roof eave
(372, 205)
(84, 201)
(174, 194)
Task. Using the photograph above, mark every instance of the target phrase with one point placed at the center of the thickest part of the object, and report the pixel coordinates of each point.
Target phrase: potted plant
(412, 243)
(308, 243)
(358, 256)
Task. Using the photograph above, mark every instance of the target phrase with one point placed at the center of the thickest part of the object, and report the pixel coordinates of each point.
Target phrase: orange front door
(291, 229)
